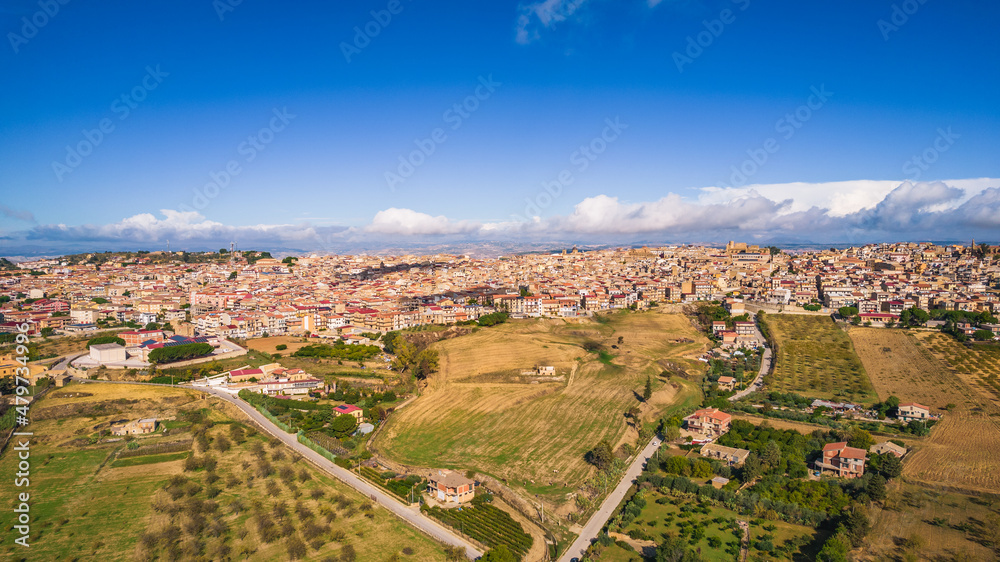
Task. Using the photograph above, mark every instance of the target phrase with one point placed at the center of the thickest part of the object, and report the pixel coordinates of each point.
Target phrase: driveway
(607, 509)
(765, 366)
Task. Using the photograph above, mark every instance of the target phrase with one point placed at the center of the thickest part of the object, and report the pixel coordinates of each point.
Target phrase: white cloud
(542, 14)
(179, 226)
(905, 211)
(407, 222)
(840, 198)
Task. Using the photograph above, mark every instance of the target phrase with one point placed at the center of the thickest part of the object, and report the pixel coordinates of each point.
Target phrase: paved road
(607, 509)
(765, 365)
(65, 361)
(411, 515)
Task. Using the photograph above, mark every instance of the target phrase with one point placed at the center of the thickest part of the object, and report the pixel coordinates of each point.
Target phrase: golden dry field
(267, 345)
(932, 524)
(480, 412)
(963, 449)
(977, 364)
(777, 423)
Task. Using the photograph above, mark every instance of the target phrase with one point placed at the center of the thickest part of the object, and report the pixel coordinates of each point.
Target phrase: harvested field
(932, 524)
(975, 363)
(535, 435)
(963, 449)
(801, 427)
(268, 345)
(816, 359)
(897, 366)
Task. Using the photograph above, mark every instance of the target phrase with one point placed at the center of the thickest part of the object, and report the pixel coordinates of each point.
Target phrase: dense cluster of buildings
(348, 296)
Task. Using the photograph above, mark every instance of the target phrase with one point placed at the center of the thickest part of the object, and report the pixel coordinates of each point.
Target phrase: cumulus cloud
(907, 211)
(604, 214)
(840, 198)
(908, 206)
(407, 222)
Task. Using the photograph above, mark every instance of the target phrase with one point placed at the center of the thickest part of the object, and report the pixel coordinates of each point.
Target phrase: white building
(107, 353)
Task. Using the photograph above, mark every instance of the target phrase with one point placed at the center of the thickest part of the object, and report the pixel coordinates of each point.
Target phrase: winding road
(411, 515)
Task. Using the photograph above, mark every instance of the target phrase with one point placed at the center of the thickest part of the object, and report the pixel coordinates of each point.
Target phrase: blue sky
(826, 105)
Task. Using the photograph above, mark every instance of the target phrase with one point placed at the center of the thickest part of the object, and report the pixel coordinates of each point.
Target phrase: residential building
(842, 461)
(710, 422)
(451, 487)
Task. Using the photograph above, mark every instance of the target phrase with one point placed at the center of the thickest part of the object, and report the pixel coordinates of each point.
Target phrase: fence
(315, 447)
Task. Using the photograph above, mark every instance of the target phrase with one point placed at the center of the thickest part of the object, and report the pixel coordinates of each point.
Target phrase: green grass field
(479, 412)
(674, 514)
(816, 359)
(86, 505)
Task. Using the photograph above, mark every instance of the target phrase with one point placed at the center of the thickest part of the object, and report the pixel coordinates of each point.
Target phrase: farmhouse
(137, 427)
(450, 486)
(350, 410)
(727, 383)
(841, 460)
(709, 422)
(887, 447)
(912, 411)
(731, 455)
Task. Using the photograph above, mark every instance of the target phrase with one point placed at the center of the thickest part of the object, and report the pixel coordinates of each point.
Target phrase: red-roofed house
(844, 461)
(135, 338)
(709, 422)
(240, 375)
(350, 410)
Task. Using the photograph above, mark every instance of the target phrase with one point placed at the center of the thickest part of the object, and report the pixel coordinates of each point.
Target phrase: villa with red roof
(844, 461)
(710, 422)
(350, 410)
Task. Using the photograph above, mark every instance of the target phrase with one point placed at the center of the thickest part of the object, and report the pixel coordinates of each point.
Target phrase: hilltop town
(553, 405)
(245, 296)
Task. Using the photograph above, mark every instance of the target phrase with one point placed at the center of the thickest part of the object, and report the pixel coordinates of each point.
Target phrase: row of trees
(179, 352)
(339, 350)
